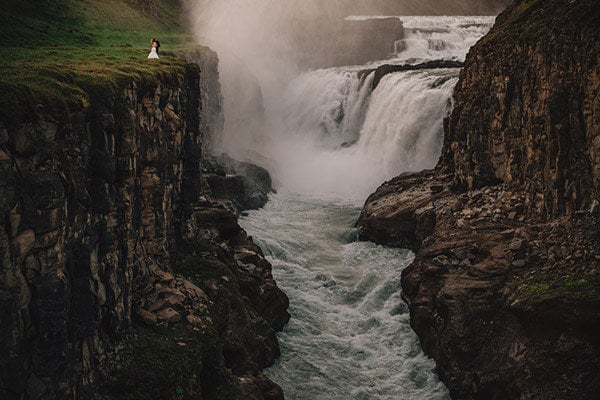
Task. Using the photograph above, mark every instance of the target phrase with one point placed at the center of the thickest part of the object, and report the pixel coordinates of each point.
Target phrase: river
(332, 141)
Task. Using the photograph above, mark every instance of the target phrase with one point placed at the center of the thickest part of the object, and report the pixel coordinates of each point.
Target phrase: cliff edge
(122, 274)
(504, 292)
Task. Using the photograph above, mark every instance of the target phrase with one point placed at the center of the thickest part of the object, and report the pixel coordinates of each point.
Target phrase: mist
(278, 113)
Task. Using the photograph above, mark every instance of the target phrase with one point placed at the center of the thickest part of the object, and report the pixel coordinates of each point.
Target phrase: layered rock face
(526, 111)
(504, 291)
(105, 232)
(212, 119)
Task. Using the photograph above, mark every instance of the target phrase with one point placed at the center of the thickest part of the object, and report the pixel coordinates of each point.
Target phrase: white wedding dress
(153, 53)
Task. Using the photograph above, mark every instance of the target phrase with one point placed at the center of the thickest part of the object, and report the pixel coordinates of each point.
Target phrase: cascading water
(449, 38)
(329, 140)
(335, 136)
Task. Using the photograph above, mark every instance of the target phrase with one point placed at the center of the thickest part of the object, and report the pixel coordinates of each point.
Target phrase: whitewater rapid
(330, 139)
(350, 335)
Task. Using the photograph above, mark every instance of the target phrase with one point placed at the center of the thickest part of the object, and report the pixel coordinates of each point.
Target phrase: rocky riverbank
(122, 276)
(504, 292)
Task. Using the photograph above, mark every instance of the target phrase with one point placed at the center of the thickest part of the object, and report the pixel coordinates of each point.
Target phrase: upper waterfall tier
(435, 38)
(347, 129)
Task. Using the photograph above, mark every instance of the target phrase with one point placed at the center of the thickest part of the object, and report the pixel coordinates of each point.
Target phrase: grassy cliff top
(54, 52)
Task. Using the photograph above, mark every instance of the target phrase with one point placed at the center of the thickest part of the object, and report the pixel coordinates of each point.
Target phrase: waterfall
(329, 139)
(429, 38)
(336, 136)
(326, 130)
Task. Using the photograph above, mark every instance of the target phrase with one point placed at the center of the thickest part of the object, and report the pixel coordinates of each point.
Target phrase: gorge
(126, 273)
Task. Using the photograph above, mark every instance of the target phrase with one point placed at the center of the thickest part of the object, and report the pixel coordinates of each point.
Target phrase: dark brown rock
(146, 316)
(504, 292)
(104, 232)
(246, 186)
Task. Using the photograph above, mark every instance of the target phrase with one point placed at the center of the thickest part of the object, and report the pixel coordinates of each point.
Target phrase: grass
(54, 52)
(542, 288)
(516, 19)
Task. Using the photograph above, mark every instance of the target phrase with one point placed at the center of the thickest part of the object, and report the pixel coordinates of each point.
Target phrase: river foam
(350, 335)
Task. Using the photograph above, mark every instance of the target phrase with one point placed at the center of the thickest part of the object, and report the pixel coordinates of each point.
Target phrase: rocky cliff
(120, 278)
(504, 292)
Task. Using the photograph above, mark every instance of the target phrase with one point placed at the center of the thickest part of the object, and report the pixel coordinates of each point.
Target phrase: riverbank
(504, 290)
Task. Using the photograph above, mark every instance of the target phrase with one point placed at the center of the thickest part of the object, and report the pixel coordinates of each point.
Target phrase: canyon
(141, 261)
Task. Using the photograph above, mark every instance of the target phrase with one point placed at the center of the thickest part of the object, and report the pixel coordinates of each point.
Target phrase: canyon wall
(526, 111)
(504, 292)
(120, 277)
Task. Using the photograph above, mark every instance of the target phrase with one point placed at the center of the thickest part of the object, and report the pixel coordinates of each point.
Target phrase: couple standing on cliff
(155, 46)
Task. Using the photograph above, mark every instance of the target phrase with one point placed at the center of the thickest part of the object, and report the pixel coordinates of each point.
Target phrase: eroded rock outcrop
(244, 185)
(386, 69)
(118, 279)
(504, 291)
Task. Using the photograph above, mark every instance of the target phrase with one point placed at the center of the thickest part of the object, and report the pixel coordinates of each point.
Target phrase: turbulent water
(446, 38)
(430, 38)
(331, 140)
(336, 136)
(349, 336)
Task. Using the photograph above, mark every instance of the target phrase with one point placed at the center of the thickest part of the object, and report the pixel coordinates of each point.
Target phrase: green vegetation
(170, 365)
(54, 53)
(542, 288)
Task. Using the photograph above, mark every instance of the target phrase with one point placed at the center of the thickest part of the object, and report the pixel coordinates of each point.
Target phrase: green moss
(586, 289)
(59, 54)
(171, 365)
(537, 290)
(547, 287)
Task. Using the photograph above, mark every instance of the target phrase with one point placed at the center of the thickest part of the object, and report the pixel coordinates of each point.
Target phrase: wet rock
(389, 216)
(384, 70)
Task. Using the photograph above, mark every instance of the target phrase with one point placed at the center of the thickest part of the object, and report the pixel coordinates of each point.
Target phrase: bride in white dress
(153, 53)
